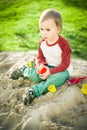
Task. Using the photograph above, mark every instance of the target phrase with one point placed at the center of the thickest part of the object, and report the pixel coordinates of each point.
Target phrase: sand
(64, 110)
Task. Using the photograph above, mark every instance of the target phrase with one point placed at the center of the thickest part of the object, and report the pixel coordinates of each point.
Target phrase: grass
(19, 29)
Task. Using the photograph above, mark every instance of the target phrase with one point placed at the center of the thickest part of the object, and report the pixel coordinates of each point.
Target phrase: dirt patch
(64, 110)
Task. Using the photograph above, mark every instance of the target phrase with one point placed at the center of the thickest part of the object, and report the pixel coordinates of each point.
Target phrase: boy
(53, 53)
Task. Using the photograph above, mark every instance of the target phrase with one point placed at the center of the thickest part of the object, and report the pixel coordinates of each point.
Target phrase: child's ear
(58, 29)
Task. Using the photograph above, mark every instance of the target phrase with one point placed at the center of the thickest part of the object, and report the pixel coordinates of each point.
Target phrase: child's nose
(44, 33)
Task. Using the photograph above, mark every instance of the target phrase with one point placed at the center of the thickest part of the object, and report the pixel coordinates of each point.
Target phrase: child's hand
(45, 75)
(43, 71)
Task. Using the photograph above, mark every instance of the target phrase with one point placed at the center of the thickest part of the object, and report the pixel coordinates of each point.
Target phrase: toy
(31, 64)
(41, 69)
(76, 80)
(84, 89)
(52, 88)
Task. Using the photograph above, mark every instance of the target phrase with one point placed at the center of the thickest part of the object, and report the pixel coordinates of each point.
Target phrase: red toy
(76, 80)
(41, 70)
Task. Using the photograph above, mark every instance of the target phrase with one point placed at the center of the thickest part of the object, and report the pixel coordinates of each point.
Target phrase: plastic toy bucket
(84, 89)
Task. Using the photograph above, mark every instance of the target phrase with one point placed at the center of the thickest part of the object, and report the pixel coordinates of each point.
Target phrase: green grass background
(19, 30)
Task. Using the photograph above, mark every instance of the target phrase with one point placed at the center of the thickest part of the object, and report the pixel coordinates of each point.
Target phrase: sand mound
(64, 110)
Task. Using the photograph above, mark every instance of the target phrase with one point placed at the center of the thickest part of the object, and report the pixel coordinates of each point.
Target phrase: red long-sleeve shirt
(56, 54)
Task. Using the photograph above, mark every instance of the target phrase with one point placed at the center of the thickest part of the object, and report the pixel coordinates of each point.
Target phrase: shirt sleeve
(40, 57)
(66, 54)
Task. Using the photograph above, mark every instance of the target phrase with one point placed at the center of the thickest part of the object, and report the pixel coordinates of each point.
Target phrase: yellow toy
(84, 89)
(52, 88)
(31, 63)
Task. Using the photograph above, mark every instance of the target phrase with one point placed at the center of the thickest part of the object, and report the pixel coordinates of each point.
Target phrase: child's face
(49, 30)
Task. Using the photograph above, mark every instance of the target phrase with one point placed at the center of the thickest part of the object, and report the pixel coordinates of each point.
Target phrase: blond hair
(51, 14)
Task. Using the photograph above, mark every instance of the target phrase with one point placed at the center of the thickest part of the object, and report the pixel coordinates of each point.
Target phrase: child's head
(50, 24)
(52, 14)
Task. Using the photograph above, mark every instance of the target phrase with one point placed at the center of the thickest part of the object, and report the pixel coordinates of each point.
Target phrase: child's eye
(41, 29)
(48, 29)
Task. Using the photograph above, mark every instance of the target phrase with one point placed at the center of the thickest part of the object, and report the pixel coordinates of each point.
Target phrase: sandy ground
(64, 110)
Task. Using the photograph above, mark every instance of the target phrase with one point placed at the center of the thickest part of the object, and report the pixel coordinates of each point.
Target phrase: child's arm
(40, 57)
(66, 56)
